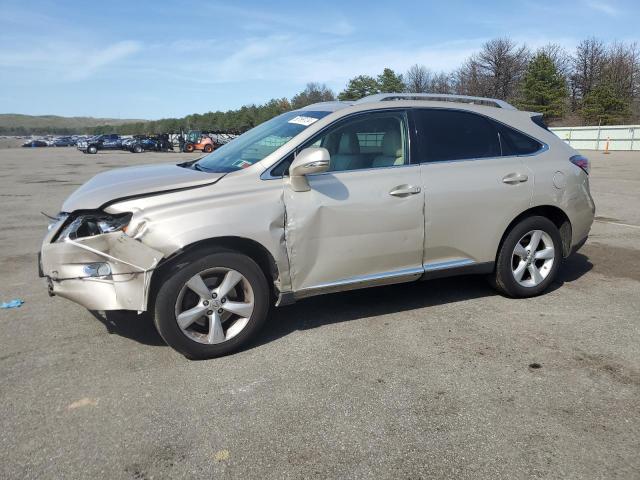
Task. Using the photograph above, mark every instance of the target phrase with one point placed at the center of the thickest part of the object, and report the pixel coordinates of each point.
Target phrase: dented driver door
(355, 228)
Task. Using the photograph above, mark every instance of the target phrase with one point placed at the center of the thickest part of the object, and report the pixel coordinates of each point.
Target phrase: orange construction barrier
(606, 146)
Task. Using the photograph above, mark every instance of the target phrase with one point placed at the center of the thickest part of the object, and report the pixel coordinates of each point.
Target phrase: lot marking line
(617, 223)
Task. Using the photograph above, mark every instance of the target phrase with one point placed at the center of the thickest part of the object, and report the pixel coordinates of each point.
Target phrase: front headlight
(91, 224)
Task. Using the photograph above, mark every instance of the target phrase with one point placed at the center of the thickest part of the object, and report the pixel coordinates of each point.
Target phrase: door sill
(364, 281)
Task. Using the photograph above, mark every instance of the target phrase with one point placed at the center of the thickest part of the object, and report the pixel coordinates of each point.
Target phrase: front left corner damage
(69, 266)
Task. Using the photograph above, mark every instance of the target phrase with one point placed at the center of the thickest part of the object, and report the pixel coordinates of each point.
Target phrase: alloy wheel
(532, 258)
(214, 306)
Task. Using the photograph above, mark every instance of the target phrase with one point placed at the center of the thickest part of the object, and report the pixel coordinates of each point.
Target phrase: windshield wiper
(196, 166)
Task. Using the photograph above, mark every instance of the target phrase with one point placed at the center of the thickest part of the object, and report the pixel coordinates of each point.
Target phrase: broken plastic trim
(111, 257)
(131, 264)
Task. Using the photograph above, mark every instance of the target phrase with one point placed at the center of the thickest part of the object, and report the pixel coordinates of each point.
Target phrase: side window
(516, 143)
(454, 135)
(282, 168)
(369, 140)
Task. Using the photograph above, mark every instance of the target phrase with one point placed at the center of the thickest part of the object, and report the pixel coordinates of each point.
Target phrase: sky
(157, 59)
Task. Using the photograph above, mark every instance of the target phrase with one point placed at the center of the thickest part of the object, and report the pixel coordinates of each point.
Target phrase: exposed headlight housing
(93, 223)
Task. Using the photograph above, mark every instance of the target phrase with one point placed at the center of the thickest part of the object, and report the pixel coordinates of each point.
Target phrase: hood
(131, 181)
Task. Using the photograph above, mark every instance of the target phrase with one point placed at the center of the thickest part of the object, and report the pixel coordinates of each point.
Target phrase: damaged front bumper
(111, 271)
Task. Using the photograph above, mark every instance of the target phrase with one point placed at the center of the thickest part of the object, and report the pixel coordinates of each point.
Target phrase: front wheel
(208, 148)
(137, 149)
(92, 149)
(212, 305)
(529, 258)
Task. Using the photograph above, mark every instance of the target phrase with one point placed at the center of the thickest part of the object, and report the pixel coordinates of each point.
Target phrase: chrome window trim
(543, 145)
(363, 169)
(266, 175)
(544, 148)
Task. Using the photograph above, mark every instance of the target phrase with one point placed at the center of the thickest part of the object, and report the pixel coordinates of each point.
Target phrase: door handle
(514, 178)
(404, 190)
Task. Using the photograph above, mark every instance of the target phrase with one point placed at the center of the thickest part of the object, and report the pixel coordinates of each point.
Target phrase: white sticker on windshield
(302, 120)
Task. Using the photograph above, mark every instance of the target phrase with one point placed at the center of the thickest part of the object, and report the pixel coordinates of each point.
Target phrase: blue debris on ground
(15, 303)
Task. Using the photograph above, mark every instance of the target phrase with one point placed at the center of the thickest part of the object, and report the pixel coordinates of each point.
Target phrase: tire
(189, 147)
(92, 149)
(511, 265)
(208, 148)
(175, 296)
(137, 149)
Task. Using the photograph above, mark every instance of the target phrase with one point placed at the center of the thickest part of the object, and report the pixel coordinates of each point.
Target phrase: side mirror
(309, 160)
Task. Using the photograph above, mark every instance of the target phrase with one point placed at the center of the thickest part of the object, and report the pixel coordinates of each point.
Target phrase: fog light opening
(97, 270)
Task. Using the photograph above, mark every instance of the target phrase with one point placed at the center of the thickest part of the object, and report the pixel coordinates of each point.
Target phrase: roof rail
(437, 97)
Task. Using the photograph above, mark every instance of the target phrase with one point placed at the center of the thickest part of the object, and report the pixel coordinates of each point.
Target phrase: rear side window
(516, 143)
(454, 135)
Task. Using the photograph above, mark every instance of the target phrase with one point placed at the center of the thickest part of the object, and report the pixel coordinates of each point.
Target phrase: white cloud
(103, 57)
(603, 7)
(297, 59)
(66, 61)
(331, 23)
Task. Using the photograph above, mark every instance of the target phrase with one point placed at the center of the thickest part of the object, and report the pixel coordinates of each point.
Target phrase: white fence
(620, 137)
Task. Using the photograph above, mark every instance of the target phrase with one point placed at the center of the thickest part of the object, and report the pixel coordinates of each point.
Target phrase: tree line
(597, 83)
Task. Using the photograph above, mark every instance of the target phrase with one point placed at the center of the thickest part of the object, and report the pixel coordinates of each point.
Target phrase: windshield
(257, 143)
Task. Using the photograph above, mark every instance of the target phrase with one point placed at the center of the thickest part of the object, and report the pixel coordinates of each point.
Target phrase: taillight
(581, 161)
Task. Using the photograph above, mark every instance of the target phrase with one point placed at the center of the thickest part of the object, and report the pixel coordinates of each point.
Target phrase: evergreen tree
(604, 105)
(544, 89)
(359, 87)
(390, 82)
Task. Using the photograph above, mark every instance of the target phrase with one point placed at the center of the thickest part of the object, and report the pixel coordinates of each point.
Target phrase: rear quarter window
(516, 143)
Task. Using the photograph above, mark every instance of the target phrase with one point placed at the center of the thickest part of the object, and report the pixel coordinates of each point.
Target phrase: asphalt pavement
(427, 380)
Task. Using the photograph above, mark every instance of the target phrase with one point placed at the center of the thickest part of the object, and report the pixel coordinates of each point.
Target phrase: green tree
(544, 89)
(359, 87)
(313, 93)
(390, 82)
(605, 105)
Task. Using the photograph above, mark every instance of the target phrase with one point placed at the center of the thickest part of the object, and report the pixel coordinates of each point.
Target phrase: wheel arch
(555, 214)
(254, 250)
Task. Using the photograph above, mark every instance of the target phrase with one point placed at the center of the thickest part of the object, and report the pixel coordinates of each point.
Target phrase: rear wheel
(208, 148)
(137, 149)
(189, 147)
(529, 258)
(212, 305)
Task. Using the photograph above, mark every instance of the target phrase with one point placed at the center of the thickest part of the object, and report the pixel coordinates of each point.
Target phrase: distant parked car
(101, 142)
(140, 143)
(35, 143)
(63, 142)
